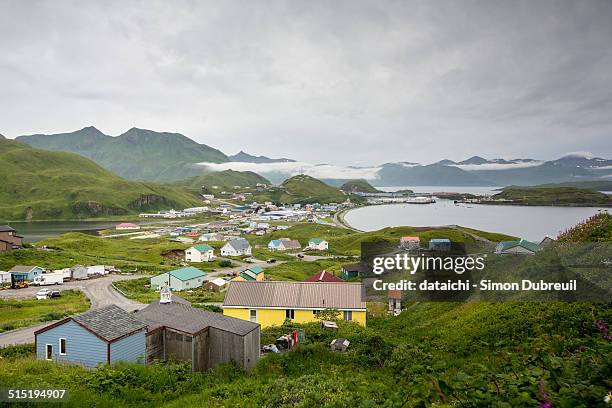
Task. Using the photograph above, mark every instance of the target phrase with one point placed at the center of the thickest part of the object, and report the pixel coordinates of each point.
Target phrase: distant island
(557, 196)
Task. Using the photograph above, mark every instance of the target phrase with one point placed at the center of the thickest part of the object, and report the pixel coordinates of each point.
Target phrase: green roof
(316, 240)
(187, 273)
(248, 275)
(256, 269)
(531, 246)
(203, 247)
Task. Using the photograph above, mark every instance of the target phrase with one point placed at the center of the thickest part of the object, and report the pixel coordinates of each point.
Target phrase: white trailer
(53, 278)
(96, 270)
(5, 277)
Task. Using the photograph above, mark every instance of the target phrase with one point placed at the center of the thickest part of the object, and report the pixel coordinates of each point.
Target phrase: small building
(353, 270)
(199, 253)
(98, 270)
(236, 247)
(440, 244)
(99, 336)
(410, 243)
(395, 302)
(26, 273)
(179, 332)
(211, 237)
(548, 240)
(270, 303)
(521, 246)
(283, 244)
(9, 239)
(323, 276)
(318, 244)
(127, 226)
(215, 285)
(5, 278)
(179, 279)
(254, 273)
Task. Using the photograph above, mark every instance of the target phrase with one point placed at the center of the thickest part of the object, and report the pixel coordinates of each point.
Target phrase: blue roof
(440, 240)
(187, 273)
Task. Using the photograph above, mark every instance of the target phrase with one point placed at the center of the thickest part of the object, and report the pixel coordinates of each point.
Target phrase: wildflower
(608, 398)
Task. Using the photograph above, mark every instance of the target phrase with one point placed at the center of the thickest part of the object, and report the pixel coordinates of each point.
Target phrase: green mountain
(358, 186)
(224, 180)
(41, 184)
(554, 196)
(137, 154)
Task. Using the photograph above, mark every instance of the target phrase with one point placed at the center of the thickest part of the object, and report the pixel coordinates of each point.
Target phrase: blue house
(26, 273)
(99, 336)
(440, 244)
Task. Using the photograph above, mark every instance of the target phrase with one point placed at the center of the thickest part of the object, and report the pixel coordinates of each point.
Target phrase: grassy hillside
(138, 154)
(303, 189)
(597, 185)
(358, 186)
(554, 196)
(434, 354)
(224, 180)
(41, 184)
(343, 241)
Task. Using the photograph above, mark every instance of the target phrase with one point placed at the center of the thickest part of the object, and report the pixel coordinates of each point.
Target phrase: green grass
(139, 290)
(21, 313)
(41, 184)
(300, 270)
(554, 196)
(304, 189)
(434, 354)
(130, 255)
(224, 180)
(360, 185)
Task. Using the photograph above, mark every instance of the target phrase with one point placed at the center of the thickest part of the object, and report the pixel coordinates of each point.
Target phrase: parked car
(300, 256)
(43, 294)
(270, 261)
(55, 294)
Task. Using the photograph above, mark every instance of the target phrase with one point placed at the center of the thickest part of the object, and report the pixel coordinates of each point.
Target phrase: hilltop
(137, 154)
(249, 158)
(358, 186)
(41, 184)
(224, 180)
(553, 196)
(305, 189)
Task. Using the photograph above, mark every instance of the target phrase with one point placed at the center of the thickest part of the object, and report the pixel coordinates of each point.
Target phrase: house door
(49, 352)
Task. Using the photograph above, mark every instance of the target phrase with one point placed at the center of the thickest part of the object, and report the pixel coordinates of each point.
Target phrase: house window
(49, 352)
(348, 315)
(253, 315)
(290, 314)
(62, 347)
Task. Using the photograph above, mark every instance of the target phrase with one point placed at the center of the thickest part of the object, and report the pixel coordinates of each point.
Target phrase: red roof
(323, 277)
(410, 239)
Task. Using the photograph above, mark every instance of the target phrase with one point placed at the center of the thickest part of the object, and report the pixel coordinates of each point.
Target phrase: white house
(199, 253)
(318, 244)
(283, 244)
(236, 247)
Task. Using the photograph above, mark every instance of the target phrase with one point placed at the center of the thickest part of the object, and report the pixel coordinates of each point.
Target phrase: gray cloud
(348, 82)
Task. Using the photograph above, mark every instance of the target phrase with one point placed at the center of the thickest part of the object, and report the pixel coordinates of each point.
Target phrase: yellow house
(270, 303)
(254, 273)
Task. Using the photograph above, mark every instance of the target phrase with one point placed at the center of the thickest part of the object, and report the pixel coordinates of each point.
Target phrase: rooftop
(6, 228)
(323, 276)
(190, 320)
(187, 273)
(202, 247)
(308, 295)
(108, 322)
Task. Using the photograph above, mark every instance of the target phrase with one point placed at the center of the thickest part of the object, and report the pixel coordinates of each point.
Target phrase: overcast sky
(337, 82)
